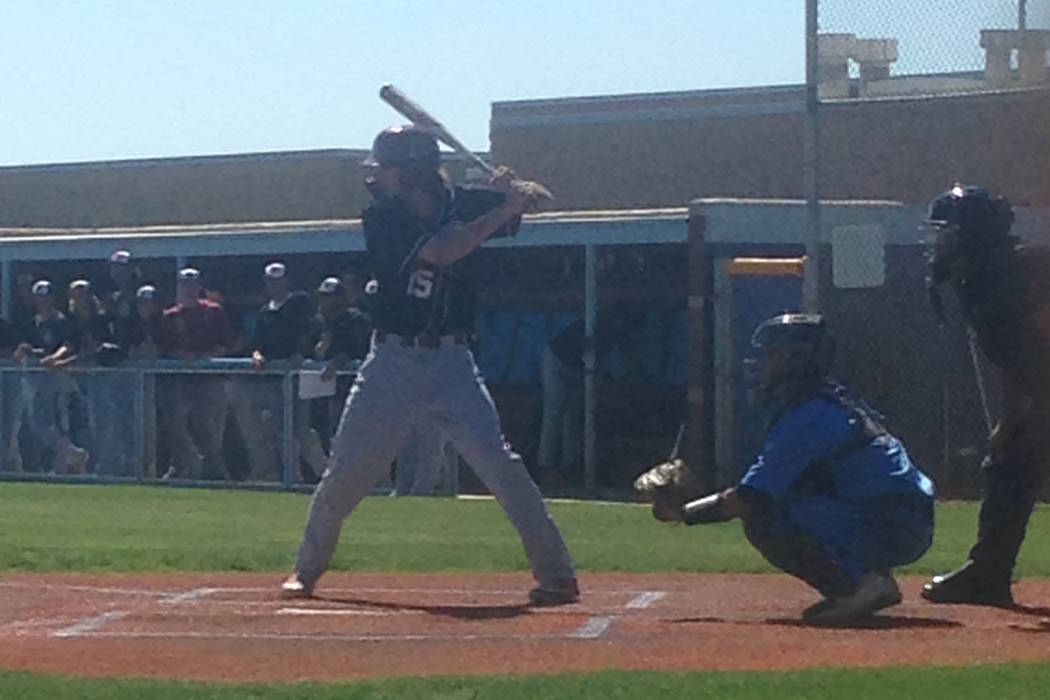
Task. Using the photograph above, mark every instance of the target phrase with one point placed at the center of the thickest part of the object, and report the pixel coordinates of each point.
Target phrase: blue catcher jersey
(822, 447)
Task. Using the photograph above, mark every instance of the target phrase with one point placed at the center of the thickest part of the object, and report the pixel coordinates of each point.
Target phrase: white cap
(121, 257)
(275, 270)
(79, 284)
(42, 288)
(330, 285)
(146, 292)
(189, 273)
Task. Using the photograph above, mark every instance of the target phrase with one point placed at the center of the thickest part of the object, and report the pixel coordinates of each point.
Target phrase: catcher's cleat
(295, 588)
(875, 591)
(968, 585)
(558, 593)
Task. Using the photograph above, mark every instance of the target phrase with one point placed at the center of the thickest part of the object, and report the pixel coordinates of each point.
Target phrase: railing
(164, 421)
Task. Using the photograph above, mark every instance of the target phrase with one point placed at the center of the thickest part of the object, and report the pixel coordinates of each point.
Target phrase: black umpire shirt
(414, 297)
(1008, 306)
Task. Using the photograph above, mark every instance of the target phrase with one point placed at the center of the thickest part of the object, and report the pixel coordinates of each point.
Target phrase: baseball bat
(419, 116)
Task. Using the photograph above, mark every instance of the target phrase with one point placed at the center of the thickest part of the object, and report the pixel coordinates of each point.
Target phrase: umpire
(1004, 294)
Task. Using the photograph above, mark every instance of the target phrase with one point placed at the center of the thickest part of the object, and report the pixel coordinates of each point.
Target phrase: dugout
(561, 266)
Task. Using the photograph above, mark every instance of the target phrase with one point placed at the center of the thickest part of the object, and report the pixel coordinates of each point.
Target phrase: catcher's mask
(963, 225)
(792, 355)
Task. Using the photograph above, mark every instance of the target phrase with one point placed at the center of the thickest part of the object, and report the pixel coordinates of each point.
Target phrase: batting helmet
(967, 222)
(793, 355)
(405, 145)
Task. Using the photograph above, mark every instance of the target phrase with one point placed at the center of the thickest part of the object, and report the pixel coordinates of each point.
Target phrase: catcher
(833, 497)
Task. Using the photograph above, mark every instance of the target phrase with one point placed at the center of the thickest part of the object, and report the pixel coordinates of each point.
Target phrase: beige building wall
(290, 186)
(627, 151)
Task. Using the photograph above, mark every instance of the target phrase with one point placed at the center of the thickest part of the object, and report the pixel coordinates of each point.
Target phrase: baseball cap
(189, 273)
(146, 292)
(79, 284)
(330, 285)
(121, 257)
(275, 270)
(42, 288)
(404, 145)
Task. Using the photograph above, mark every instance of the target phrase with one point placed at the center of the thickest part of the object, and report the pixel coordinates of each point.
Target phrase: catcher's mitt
(669, 486)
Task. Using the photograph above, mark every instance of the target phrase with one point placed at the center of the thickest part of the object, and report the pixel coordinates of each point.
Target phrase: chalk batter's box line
(273, 590)
(579, 634)
(594, 627)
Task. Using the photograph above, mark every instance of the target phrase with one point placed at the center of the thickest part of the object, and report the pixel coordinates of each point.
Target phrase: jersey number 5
(421, 284)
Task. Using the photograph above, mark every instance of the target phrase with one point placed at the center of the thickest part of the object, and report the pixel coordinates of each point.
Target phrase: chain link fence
(895, 48)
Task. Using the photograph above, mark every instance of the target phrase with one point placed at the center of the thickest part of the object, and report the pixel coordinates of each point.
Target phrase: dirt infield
(232, 627)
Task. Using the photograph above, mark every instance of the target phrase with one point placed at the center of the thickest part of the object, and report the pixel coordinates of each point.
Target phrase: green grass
(46, 527)
(99, 529)
(979, 682)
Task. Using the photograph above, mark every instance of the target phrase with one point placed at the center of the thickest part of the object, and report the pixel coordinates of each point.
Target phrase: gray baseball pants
(396, 388)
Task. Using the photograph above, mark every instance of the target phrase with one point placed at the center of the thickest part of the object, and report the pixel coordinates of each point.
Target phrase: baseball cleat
(967, 585)
(295, 588)
(563, 592)
(875, 590)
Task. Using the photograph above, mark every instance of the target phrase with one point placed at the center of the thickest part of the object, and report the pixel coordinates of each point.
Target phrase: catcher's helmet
(967, 222)
(793, 355)
(405, 145)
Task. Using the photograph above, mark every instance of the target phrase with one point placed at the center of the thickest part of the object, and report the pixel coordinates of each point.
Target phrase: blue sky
(110, 79)
(101, 79)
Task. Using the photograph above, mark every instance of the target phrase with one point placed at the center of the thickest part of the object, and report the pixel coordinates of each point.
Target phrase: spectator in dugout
(342, 335)
(97, 398)
(282, 334)
(141, 336)
(43, 394)
(194, 405)
(119, 295)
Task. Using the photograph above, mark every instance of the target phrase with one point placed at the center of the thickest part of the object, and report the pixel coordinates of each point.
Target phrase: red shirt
(200, 330)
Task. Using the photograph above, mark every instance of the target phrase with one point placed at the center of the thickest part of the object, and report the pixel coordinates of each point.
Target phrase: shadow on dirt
(878, 622)
(459, 612)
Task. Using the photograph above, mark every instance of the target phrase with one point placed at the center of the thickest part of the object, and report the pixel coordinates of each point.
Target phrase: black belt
(423, 340)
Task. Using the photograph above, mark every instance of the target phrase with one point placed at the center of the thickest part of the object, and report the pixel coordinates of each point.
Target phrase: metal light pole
(810, 163)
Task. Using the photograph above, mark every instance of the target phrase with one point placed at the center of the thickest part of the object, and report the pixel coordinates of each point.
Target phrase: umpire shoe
(295, 588)
(969, 585)
(563, 592)
(875, 590)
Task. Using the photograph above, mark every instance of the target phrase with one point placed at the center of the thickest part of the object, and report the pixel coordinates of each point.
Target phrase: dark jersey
(48, 335)
(134, 331)
(1009, 308)
(347, 333)
(87, 333)
(284, 330)
(412, 296)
